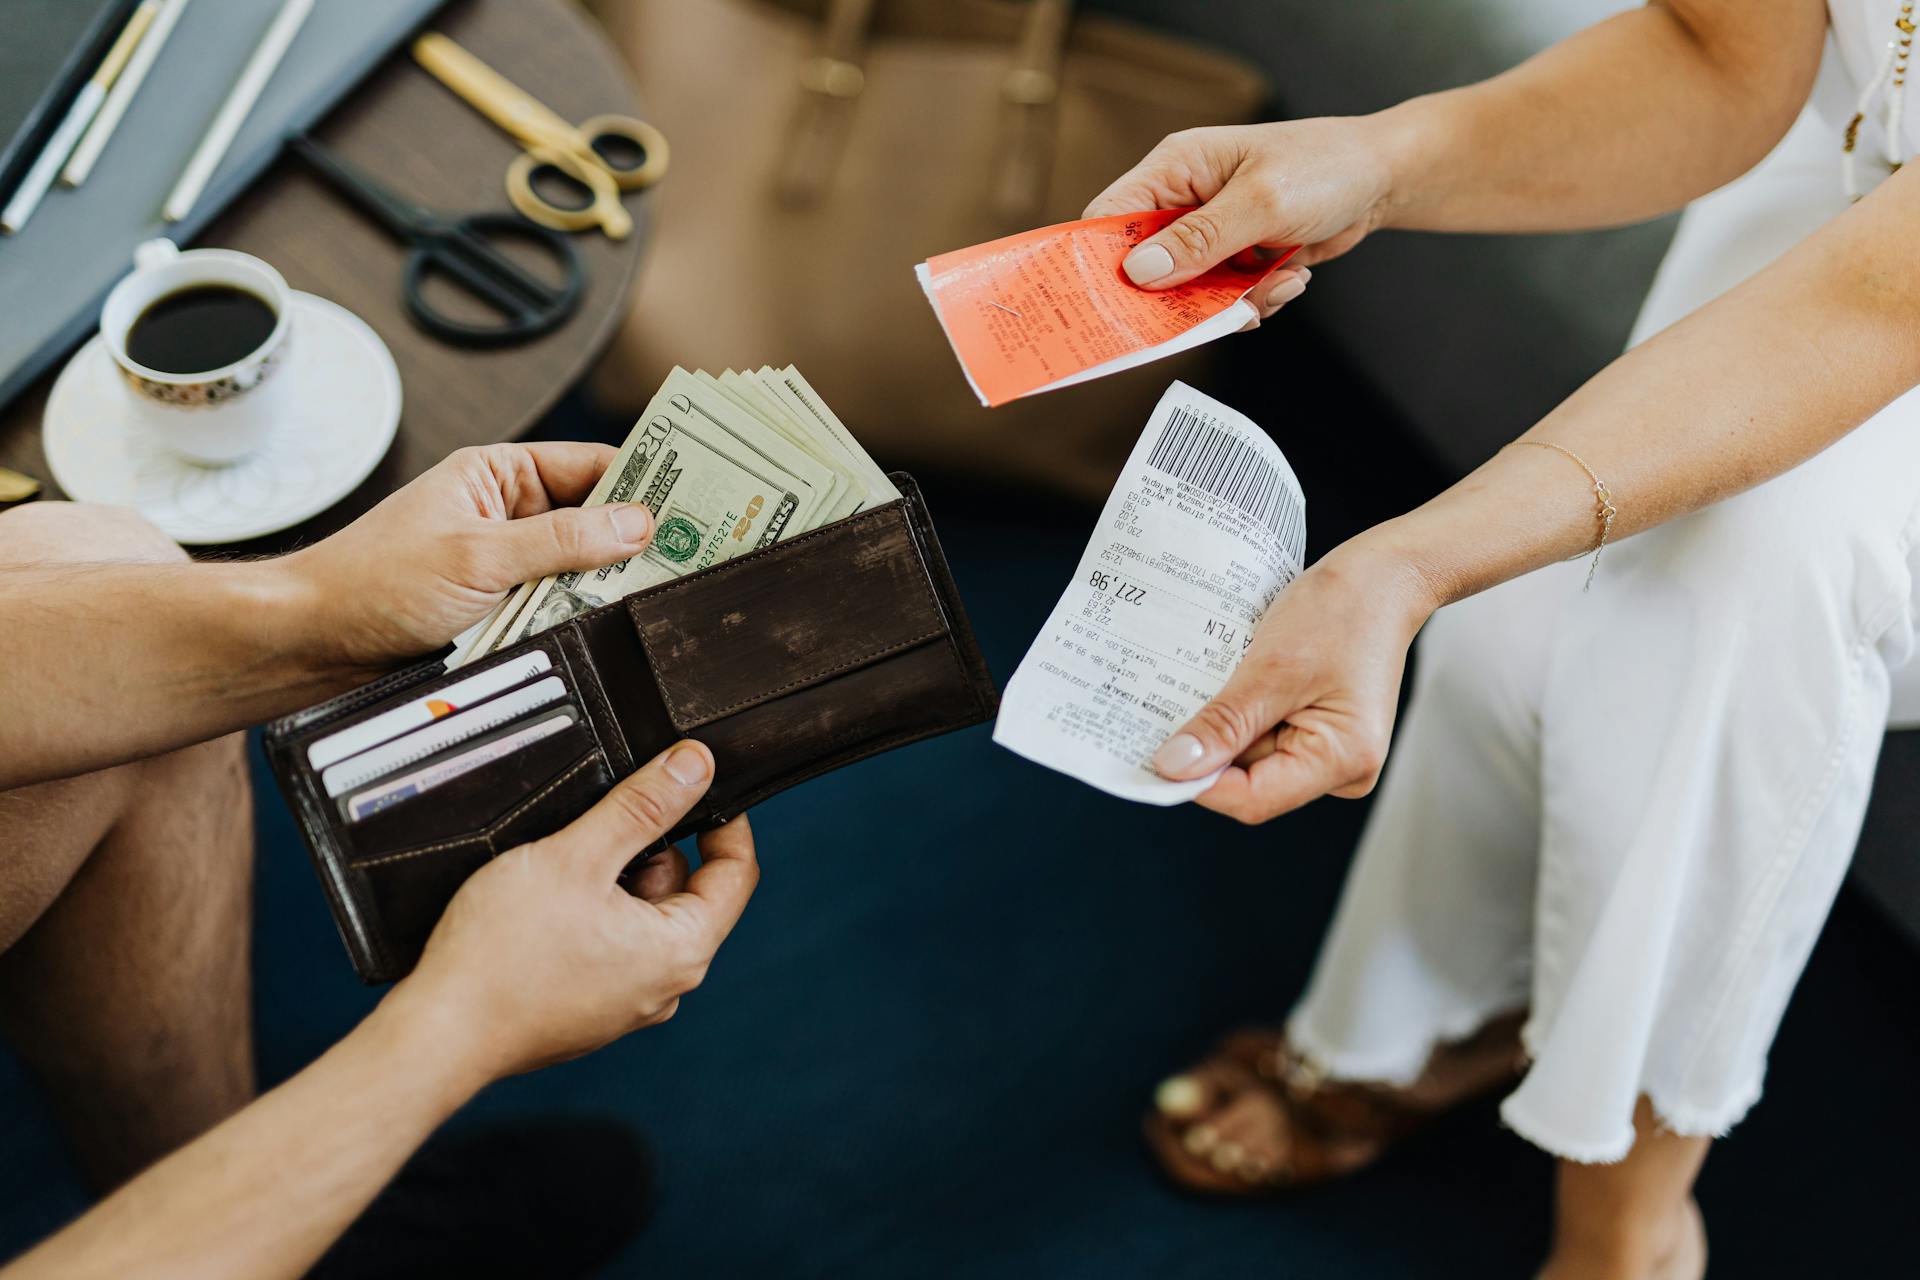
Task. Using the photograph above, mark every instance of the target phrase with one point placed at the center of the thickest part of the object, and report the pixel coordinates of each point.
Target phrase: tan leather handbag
(821, 150)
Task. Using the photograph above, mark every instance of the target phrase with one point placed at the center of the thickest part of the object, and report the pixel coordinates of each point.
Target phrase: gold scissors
(580, 152)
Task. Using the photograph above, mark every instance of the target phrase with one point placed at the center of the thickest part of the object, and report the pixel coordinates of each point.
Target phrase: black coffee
(200, 328)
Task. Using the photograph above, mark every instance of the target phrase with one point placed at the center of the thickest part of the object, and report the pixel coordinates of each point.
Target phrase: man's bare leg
(125, 904)
(1634, 1220)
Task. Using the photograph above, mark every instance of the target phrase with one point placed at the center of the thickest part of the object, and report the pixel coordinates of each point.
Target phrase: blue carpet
(926, 1048)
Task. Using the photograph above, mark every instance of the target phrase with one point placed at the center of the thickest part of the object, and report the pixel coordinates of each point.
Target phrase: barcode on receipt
(1192, 449)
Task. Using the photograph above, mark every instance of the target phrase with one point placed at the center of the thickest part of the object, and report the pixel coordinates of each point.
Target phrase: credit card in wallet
(375, 730)
(384, 795)
(371, 766)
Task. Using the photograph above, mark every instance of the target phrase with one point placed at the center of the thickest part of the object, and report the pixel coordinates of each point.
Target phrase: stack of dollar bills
(726, 465)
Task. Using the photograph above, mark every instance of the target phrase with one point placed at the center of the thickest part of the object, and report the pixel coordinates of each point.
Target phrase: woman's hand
(1309, 710)
(1321, 184)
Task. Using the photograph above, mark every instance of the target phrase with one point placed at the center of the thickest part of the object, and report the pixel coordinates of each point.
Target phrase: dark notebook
(48, 49)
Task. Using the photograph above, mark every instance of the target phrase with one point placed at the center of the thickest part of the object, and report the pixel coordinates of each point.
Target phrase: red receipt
(1051, 307)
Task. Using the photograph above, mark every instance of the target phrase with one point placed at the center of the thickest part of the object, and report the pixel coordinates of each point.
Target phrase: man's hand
(542, 956)
(438, 555)
(1309, 710)
(1321, 184)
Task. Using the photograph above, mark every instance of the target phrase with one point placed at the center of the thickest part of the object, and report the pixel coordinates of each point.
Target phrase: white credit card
(371, 732)
(384, 795)
(370, 766)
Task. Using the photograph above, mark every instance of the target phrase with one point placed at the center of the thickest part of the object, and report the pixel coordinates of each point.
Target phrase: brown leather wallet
(787, 662)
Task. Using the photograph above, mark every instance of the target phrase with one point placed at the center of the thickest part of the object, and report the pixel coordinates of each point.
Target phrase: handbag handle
(1029, 96)
(835, 72)
(834, 78)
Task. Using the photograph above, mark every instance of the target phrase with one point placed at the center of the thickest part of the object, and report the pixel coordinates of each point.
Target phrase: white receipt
(1204, 527)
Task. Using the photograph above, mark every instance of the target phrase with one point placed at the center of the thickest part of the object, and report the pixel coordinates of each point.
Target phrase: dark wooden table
(408, 131)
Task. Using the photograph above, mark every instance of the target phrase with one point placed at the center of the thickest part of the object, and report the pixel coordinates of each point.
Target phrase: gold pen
(80, 163)
(79, 116)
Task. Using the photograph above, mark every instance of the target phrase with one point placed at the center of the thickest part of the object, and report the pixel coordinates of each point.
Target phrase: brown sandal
(1333, 1128)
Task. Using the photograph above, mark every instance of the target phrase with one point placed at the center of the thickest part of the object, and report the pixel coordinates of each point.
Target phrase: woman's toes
(1227, 1156)
(1180, 1098)
(1254, 1120)
(1200, 1139)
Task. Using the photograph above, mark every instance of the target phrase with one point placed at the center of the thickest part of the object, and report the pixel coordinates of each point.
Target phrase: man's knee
(82, 533)
(191, 809)
(50, 830)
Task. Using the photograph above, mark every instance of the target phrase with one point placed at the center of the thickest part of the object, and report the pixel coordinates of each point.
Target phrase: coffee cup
(200, 338)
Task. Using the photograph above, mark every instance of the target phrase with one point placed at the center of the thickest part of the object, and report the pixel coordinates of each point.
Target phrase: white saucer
(344, 410)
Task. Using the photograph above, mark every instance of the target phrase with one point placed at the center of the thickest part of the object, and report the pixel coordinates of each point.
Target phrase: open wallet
(787, 662)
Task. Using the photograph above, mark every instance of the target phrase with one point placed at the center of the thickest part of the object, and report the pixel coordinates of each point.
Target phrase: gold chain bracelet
(1604, 510)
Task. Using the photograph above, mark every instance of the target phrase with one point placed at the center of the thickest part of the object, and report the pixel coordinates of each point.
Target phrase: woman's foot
(1633, 1219)
(1255, 1117)
(1688, 1258)
(1682, 1257)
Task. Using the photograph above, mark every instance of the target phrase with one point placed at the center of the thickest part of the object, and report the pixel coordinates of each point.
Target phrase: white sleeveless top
(1727, 236)
(1864, 36)
(1861, 30)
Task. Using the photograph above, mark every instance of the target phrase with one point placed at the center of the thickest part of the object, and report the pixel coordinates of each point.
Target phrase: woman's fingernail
(632, 523)
(1178, 754)
(687, 766)
(1287, 290)
(1148, 263)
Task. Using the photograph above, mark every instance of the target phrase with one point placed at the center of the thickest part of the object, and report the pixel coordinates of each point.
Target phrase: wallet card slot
(565, 798)
(336, 710)
(558, 801)
(409, 888)
(420, 688)
(777, 621)
(472, 803)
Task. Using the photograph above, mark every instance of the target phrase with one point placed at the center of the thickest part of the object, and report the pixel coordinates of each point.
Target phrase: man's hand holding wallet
(790, 617)
(543, 955)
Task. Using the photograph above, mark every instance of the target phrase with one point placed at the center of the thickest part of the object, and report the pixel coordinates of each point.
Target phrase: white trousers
(1629, 811)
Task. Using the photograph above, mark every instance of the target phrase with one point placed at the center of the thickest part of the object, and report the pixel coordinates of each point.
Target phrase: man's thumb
(1224, 728)
(574, 538)
(1196, 241)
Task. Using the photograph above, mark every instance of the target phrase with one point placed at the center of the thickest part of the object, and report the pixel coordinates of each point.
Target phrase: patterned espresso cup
(212, 416)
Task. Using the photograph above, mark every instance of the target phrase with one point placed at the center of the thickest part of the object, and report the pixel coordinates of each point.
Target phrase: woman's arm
(1630, 118)
(1745, 388)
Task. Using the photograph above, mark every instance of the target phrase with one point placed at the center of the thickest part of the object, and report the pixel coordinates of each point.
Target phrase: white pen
(121, 95)
(79, 115)
(233, 112)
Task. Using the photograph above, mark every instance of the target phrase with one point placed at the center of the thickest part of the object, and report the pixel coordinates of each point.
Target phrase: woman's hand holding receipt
(1310, 709)
(1050, 308)
(1319, 184)
(1205, 527)
(1189, 611)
